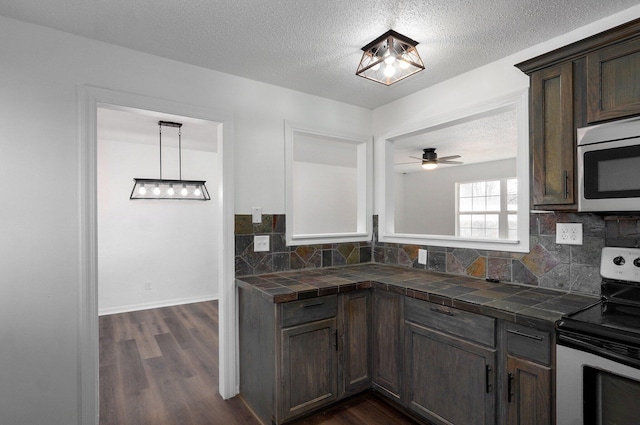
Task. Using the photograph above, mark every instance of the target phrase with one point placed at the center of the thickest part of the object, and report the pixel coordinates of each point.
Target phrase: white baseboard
(155, 304)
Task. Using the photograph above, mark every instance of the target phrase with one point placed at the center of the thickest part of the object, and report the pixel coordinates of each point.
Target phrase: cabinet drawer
(471, 326)
(529, 343)
(304, 311)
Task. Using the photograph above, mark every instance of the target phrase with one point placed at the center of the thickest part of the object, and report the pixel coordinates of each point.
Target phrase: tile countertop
(527, 305)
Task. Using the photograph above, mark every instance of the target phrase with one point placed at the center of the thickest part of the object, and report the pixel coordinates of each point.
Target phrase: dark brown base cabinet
(388, 320)
(309, 367)
(529, 386)
(450, 364)
(298, 356)
(442, 364)
(355, 374)
(529, 390)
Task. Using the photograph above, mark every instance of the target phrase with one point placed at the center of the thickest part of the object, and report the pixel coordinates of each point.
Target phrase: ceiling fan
(430, 159)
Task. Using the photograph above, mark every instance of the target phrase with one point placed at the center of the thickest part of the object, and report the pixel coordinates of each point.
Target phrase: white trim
(156, 304)
(364, 191)
(89, 99)
(385, 190)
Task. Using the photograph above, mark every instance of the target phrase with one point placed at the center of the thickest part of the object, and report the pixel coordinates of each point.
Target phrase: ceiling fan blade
(440, 161)
(415, 157)
(446, 158)
(405, 163)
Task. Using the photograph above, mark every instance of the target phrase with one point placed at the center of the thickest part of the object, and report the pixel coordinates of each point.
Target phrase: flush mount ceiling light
(194, 190)
(390, 58)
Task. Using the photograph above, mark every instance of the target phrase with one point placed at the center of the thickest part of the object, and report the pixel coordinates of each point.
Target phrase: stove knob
(619, 260)
(636, 262)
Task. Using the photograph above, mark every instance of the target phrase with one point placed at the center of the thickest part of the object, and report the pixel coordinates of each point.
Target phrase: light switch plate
(261, 243)
(569, 233)
(256, 215)
(422, 256)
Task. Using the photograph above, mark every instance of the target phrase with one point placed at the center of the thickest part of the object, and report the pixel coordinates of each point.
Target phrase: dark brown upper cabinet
(613, 82)
(593, 80)
(552, 135)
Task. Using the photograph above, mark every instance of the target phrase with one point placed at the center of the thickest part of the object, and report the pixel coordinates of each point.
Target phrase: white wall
(40, 218)
(169, 244)
(429, 198)
(324, 198)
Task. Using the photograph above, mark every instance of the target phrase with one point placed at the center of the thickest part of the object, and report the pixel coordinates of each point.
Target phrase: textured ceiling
(139, 126)
(314, 46)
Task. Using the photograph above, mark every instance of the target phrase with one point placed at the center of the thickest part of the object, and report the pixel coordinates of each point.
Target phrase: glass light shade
(389, 48)
(190, 189)
(429, 165)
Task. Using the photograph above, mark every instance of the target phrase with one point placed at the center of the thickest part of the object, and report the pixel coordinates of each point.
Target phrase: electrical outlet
(569, 233)
(422, 256)
(261, 243)
(147, 285)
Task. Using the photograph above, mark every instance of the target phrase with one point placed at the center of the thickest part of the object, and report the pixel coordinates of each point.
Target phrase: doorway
(90, 100)
(154, 253)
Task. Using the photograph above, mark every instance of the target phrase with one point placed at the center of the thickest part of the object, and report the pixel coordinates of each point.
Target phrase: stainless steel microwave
(609, 167)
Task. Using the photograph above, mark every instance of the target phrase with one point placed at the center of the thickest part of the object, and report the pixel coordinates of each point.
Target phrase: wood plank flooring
(160, 367)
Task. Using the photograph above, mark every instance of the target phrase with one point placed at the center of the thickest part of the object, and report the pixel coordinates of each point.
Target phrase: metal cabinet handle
(445, 312)
(335, 333)
(536, 337)
(488, 384)
(565, 175)
(510, 387)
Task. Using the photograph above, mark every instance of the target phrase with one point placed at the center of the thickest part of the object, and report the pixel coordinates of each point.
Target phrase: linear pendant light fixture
(192, 190)
(390, 58)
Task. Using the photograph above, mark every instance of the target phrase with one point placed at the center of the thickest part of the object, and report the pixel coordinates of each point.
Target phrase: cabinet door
(309, 369)
(613, 85)
(387, 342)
(449, 380)
(552, 136)
(528, 392)
(356, 367)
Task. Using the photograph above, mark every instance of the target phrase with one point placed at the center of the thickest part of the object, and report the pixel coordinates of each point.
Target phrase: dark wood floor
(160, 367)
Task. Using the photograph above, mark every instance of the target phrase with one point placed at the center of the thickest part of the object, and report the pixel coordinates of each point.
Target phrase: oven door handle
(568, 341)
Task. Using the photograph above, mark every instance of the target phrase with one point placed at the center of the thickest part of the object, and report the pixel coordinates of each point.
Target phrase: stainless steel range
(598, 349)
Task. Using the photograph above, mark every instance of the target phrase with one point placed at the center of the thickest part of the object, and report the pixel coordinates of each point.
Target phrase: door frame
(89, 99)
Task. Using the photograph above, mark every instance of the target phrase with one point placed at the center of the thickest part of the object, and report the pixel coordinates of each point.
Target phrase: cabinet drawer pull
(536, 337)
(311, 305)
(445, 312)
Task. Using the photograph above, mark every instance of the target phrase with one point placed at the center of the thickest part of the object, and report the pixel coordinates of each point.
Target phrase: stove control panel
(620, 264)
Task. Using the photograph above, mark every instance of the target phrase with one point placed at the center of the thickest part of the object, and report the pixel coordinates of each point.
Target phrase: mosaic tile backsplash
(572, 268)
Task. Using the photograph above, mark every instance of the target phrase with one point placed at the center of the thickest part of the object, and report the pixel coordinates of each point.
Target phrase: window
(487, 209)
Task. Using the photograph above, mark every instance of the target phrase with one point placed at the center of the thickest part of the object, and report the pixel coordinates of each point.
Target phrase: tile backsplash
(572, 268)
(281, 257)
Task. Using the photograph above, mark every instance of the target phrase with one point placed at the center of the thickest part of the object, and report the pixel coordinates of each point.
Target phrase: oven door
(609, 176)
(593, 390)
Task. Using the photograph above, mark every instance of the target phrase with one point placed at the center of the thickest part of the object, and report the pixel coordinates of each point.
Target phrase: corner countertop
(531, 306)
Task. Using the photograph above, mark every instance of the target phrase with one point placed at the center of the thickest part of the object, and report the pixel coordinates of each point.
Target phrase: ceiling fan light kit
(390, 58)
(191, 190)
(430, 159)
